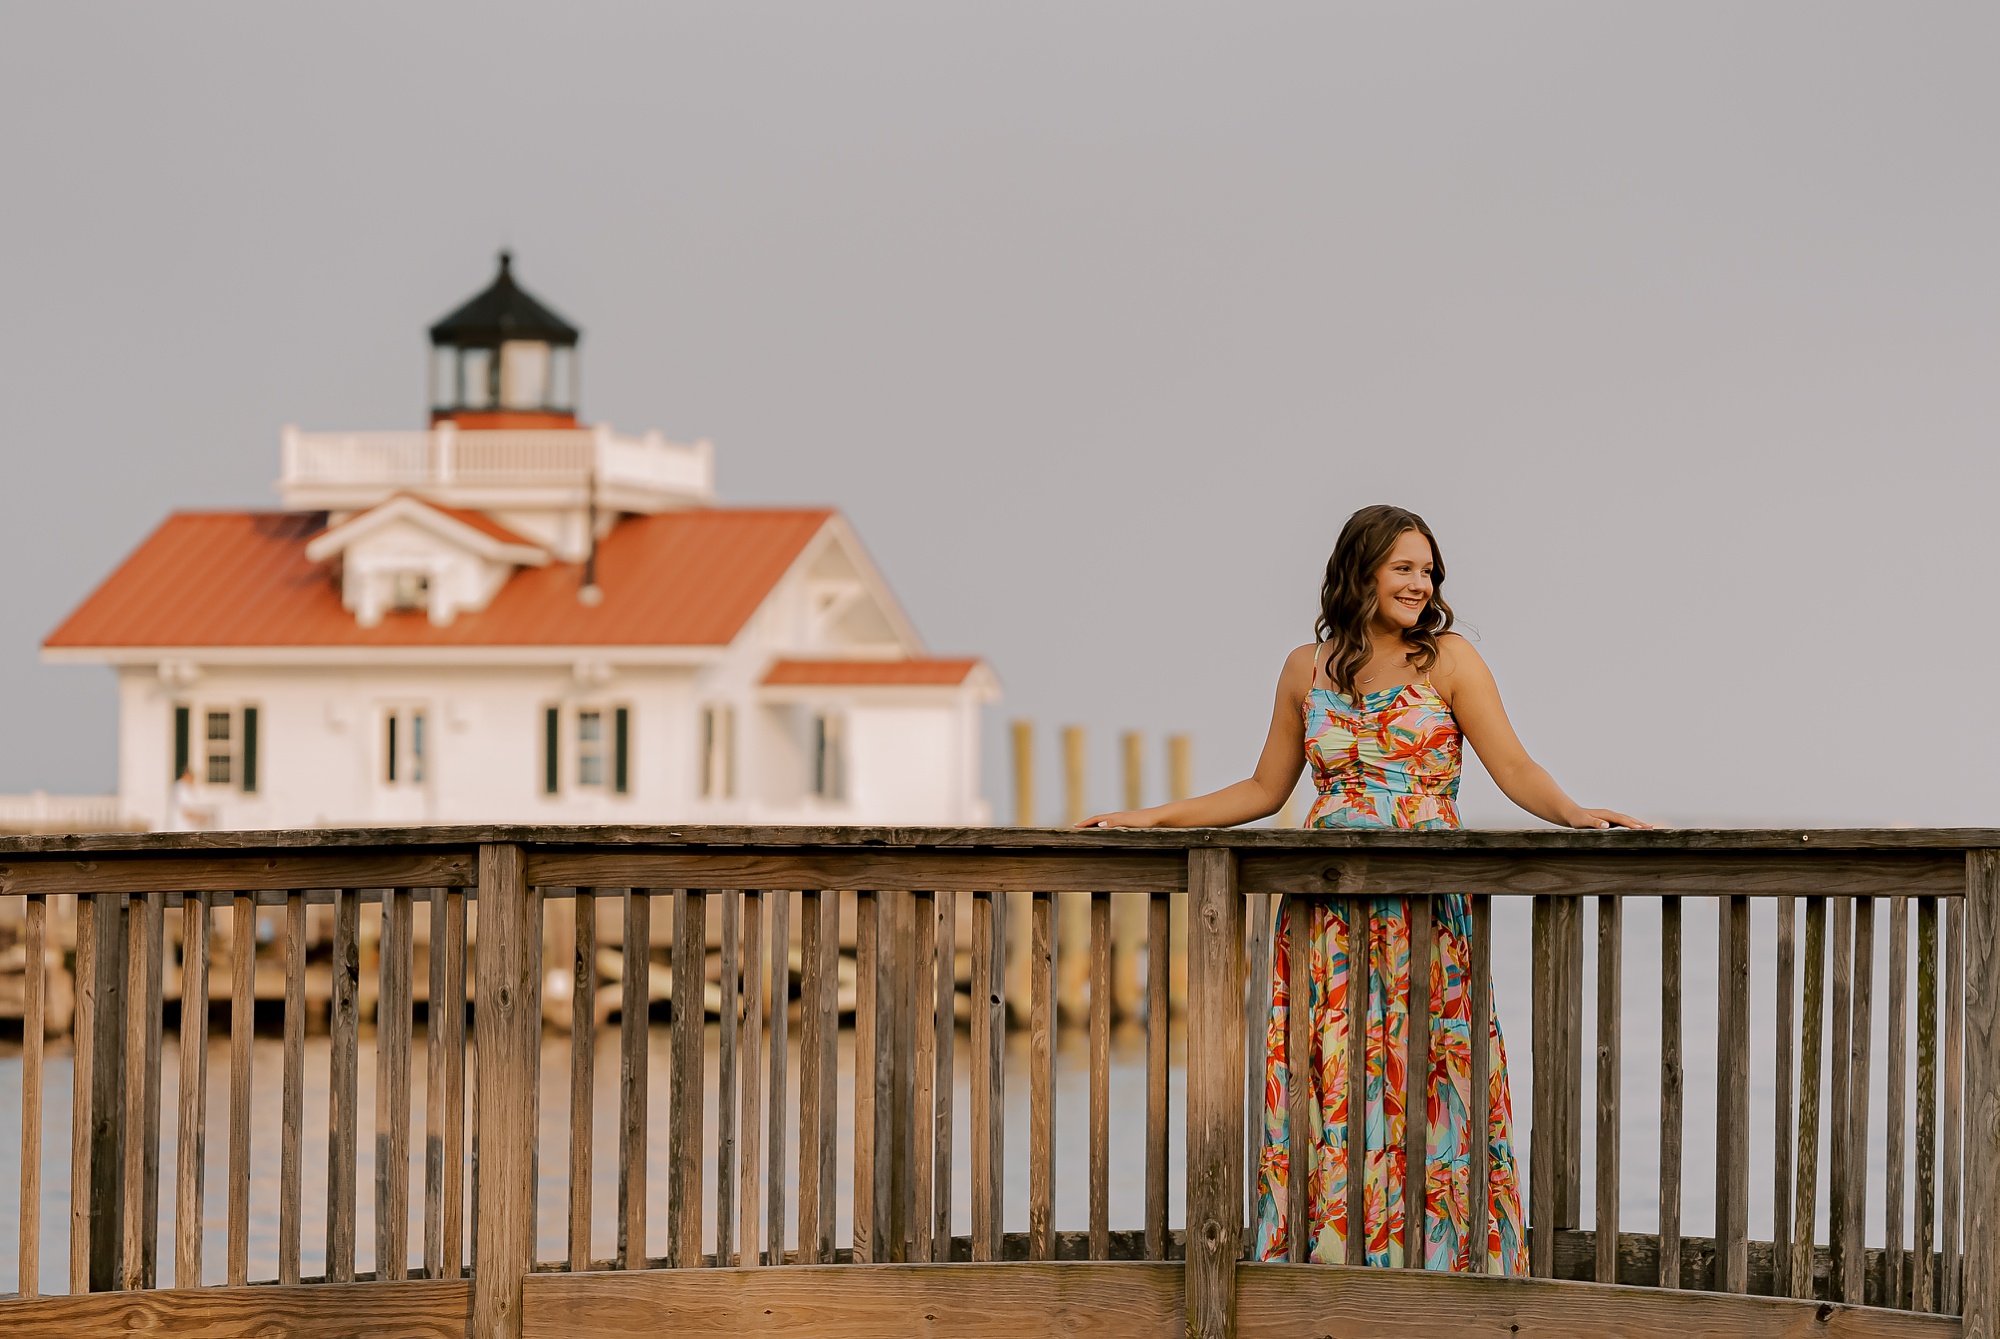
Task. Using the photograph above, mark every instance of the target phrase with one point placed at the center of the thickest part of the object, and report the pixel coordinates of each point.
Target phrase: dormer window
(410, 591)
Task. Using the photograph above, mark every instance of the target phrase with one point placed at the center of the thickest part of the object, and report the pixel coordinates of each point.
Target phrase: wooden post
(1016, 911)
(1072, 957)
(1980, 1265)
(507, 1026)
(1128, 909)
(1180, 785)
(1214, 1094)
(1024, 774)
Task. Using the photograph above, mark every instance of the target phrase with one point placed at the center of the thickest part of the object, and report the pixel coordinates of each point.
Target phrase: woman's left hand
(1603, 818)
(1127, 818)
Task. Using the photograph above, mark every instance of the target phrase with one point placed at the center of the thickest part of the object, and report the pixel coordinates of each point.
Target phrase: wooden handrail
(740, 885)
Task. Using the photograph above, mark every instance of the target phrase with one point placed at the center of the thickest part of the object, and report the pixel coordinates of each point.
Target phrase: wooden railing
(494, 898)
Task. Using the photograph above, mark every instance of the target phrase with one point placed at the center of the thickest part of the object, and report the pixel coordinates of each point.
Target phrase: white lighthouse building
(513, 616)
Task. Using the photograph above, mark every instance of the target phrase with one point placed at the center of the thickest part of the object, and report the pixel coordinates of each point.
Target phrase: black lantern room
(504, 360)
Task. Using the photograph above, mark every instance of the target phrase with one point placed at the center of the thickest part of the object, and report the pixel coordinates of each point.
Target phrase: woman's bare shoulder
(1297, 676)
(1456, 656)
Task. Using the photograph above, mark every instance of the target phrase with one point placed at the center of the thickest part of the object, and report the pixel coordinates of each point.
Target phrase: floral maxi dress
(1393, 762)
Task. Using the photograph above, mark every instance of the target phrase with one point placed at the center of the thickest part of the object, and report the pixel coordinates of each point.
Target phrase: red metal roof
(871, 673)
(684, 578)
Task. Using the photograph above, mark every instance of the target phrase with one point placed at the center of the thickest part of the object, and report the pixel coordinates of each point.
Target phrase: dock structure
(457, 1255)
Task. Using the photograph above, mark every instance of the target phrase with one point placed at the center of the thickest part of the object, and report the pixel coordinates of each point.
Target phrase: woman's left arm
(1474, 699)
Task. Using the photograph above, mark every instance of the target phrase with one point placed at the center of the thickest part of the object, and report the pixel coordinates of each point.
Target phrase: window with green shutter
(551, 750)
(182, 748)
(621, 750)
(250, 750)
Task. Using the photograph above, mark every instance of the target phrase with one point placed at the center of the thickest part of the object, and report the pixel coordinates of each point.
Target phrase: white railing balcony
(39, 811)
(536, 467)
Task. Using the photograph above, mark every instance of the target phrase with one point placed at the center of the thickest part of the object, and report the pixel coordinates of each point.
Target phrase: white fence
(39, 811)
(446, 456)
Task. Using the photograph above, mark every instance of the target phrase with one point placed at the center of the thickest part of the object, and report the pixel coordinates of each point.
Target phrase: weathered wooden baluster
(83, 1075)
(1812, 1031)
(1895, 1278)
(1301, 1111)
(1556, 1134)
(871, 1044)
(780, 989)
(392, 1085)
(751, 1151)
(1861, 1038)
(1480, 1183)
(1672, 1084)
(943, 1085)
(34, 991)
(1781, 1159)
(635, 998)
(685, 1098)
(1041, 1079)
(815, 967)
(450, 1034)
(1839, 1114)
(1732, 1097)
(828, 1004)
(1610, 1075)
(989, 1022)
(507, 1032)
(142, 1090)
(1923, 1277)
(725, 1088)
(1214, 1093)
(894, 1092)
(582, 1072)
(1256, 1026)
(1979, 1269)
(1416, 1086)
(192, 1131)
(1354, 1077)
(1953, 1172)
(537, 939)
(291, 1130)
(867, 1047)
(925, 1001)
(1100, 1075)
(1159, 972)
(343, 1086)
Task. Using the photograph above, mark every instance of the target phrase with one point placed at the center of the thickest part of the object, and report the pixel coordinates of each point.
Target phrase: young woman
(1379, 707)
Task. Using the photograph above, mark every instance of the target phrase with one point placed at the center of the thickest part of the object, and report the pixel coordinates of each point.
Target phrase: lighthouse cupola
(504, 360)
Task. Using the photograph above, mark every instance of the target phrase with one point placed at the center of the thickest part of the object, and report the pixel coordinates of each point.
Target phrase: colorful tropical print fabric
(1392, 763)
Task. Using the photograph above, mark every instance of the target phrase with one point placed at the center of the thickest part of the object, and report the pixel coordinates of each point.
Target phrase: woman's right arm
(1261, 794)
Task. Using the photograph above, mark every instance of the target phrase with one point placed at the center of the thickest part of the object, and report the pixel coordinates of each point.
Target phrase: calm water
(1639, 1181)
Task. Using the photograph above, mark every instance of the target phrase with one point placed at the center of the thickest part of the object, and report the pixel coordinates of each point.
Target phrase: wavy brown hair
(1347, 598)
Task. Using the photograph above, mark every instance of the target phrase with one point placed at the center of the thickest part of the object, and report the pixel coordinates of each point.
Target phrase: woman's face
(1403, 582)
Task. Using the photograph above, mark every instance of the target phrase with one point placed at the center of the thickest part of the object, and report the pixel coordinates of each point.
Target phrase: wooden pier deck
(456, 1254)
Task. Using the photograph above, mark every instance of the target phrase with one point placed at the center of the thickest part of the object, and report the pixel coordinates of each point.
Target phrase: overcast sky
(1677, 321)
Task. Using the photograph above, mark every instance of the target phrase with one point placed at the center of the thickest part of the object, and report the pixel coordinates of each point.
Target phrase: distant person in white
(183, 815)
